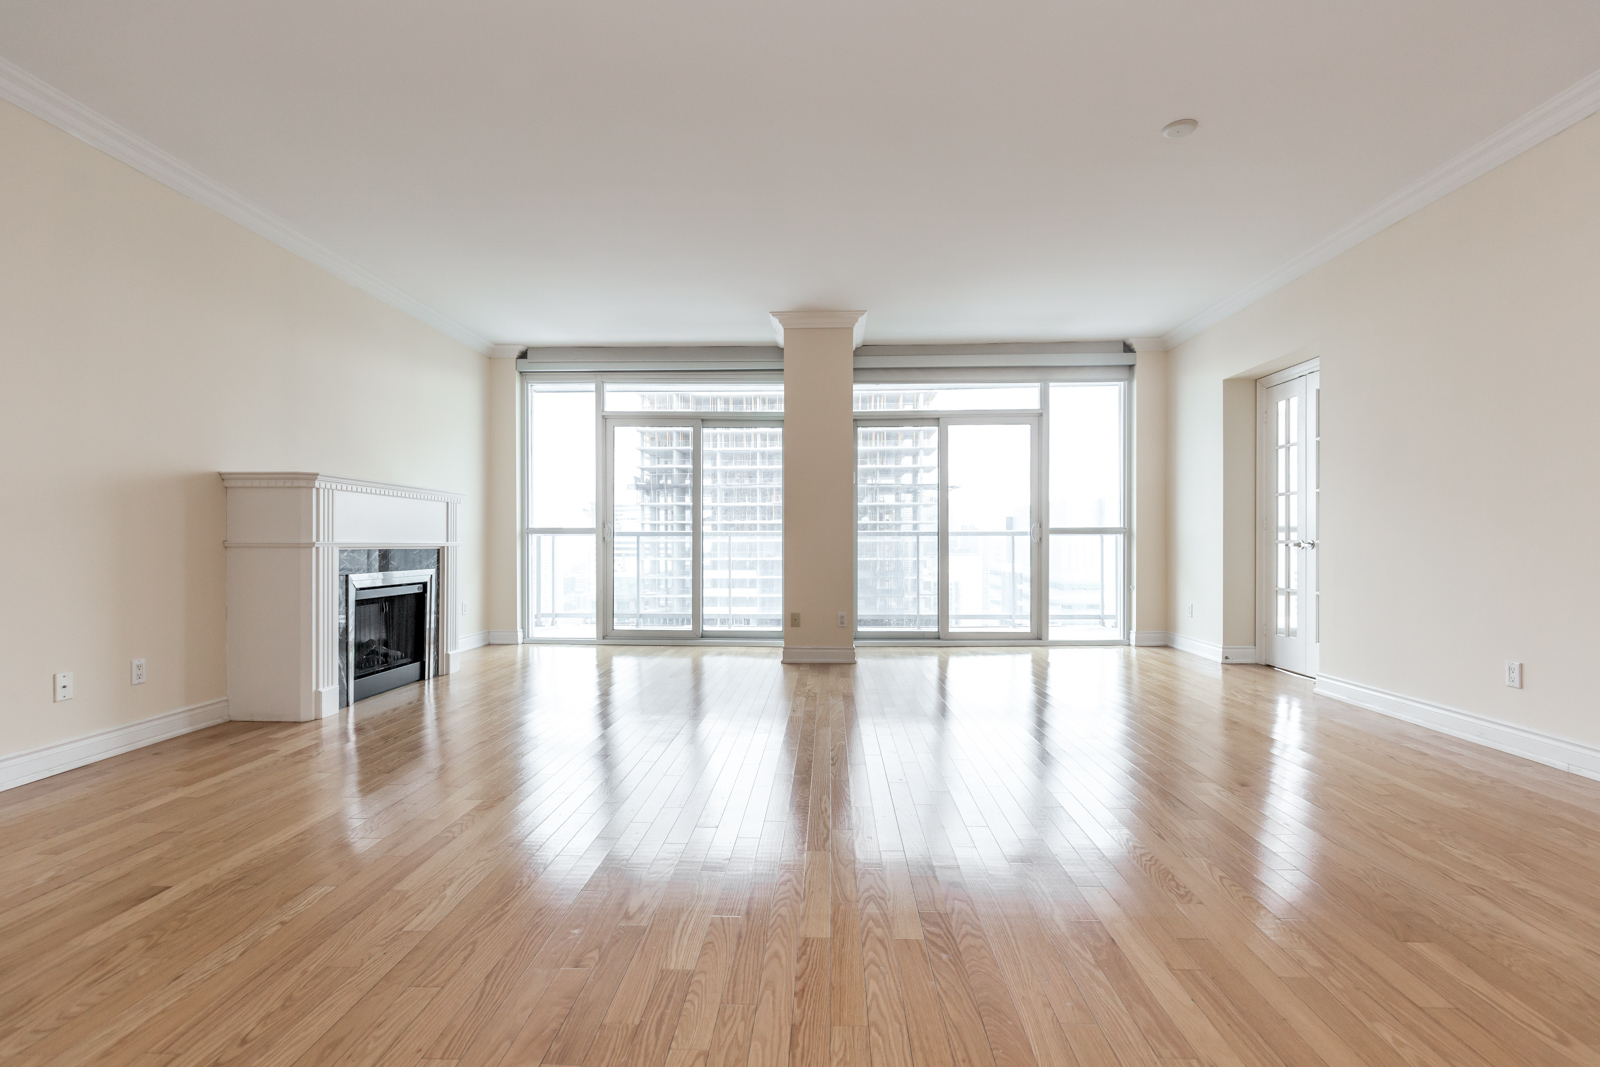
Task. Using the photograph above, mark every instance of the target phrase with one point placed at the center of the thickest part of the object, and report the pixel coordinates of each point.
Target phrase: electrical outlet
(841, 618)
(1191, 611)
(794, 618)
(138, 671)
(1513, 674)
(64, 685)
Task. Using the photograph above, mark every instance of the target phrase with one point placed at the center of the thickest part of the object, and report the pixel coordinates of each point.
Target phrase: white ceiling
(616, 171)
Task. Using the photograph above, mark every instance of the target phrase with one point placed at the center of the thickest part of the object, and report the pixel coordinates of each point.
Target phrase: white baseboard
(1517, 740)
(20, 768)
(467, 642)
(505, 637)
(1150, 638)
(1208, 649)
(1196, 647)
(804, 654)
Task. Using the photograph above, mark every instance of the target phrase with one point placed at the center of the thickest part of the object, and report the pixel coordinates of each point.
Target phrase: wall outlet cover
(138, 672)
(1514, 674)
(63, 683)
(794, 618)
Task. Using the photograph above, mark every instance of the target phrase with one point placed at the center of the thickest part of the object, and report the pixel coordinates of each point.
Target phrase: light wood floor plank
(676, 857)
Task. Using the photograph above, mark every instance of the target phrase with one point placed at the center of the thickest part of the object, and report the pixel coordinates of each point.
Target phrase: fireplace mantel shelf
(312, 480)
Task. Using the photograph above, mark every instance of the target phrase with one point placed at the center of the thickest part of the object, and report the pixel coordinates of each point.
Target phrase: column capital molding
(855, 321)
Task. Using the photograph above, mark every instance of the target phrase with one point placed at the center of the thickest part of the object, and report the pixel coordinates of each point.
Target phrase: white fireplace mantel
(285, 530)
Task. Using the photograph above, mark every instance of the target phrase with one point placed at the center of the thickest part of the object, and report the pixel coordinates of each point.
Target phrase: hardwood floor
(992, 858)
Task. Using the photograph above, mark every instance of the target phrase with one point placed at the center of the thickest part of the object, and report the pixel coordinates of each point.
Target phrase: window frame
(1045, 376)
(1125, 530)
(605, 628)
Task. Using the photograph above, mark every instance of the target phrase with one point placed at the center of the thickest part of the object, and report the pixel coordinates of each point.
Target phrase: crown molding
(46, 102)
(855, 321)
(1566, 108)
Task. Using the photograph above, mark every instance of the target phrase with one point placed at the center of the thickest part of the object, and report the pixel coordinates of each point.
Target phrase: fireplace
(295, 539)
(389, 625)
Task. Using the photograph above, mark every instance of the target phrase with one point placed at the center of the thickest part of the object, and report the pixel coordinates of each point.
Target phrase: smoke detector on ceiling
(1180, 128)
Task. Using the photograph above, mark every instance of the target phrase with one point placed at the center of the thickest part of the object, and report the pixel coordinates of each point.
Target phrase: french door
(949, 531)
(691, 527)
(1290, 497)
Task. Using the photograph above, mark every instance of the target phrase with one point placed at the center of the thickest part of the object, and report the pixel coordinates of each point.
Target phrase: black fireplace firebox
(390, 626)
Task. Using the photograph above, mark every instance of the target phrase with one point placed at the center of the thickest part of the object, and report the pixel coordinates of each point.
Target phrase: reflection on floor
(637, 856)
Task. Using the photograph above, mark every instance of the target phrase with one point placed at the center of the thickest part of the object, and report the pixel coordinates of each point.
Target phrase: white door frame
(1311, 517)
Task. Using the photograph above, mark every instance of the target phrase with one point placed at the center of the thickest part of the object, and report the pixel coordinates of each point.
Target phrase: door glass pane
(1085, 587)
(897, 528)
(961, 397)
(561, 594)
(1086, 455)
(756, 396)
(1286, 483)
(561, 456)
(652, 539)
(991, 509)
(741, 509)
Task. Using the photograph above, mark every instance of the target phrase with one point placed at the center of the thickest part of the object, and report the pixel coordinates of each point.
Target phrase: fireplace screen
(389, 628)
(390, 631)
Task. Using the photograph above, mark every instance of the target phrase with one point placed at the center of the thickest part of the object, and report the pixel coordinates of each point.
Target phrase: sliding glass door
(947, 539)
(650, 533)
(692, 538)
(741, 528)
(897, 528)
(990, 503)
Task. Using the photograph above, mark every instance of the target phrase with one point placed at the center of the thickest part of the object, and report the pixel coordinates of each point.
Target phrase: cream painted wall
(1460, 356)
(818, 487)
(503, 530)
(1150, 549)
(148, 343)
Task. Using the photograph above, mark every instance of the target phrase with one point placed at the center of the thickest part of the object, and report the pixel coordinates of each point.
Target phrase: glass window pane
(990, 510)
(561, 594)
(897, 528)
(561, 456)
(734, 398)
(741, 511)
(652, 538)
(1085, 587)
(1086, 455)
(955, 397)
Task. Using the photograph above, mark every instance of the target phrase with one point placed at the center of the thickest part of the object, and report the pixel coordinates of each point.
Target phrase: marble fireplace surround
(292, 537)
